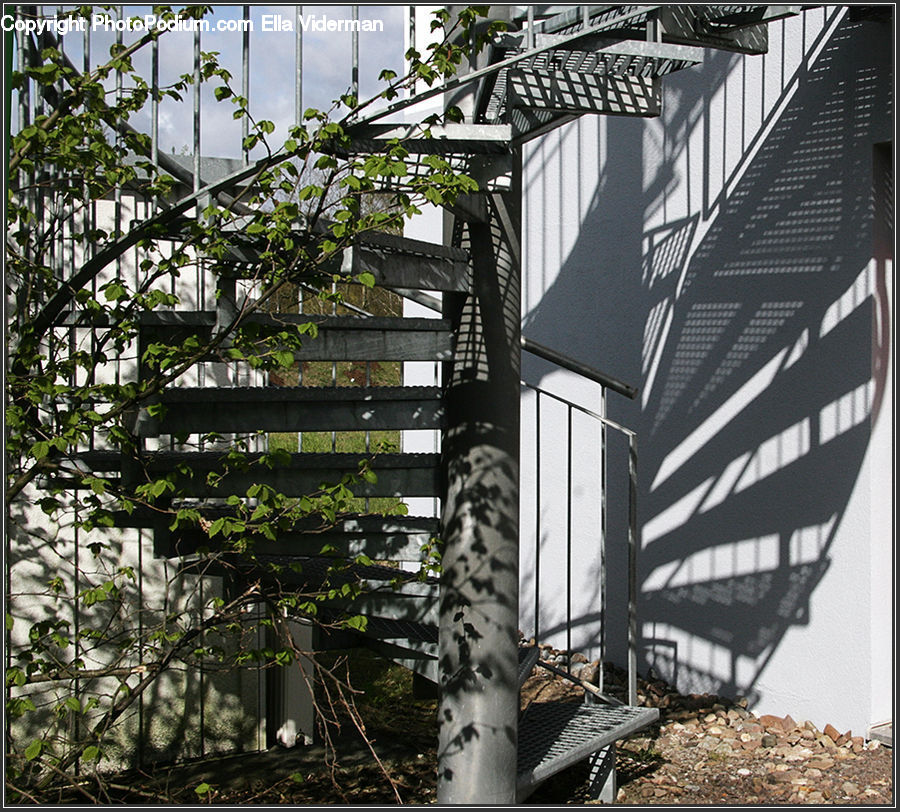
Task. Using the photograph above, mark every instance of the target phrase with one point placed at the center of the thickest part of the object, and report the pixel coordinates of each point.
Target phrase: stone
(768, 721)
(710, 718)
(832, 732)
(768, 740)
(786, 776)
(849, 788)
(788, 724)
(743, 771)
(752, 744)
(815, 798)
(578, 657)
(820, 763)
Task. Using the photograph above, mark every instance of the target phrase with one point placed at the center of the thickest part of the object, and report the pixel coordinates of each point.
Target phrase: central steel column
(478, 712)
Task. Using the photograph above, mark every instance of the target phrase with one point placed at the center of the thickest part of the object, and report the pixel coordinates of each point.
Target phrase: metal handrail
(585, 371)
(605, 423)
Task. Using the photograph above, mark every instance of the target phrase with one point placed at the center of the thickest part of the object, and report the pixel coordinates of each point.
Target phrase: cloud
(327, 63)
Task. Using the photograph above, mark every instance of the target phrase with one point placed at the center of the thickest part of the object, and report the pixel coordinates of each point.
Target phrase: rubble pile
(711, 750)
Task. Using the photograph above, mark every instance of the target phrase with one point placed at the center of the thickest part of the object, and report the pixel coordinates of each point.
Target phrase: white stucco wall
(720, 257)
(188, 711)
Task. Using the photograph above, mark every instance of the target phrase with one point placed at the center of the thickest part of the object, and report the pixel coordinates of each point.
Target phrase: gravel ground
(708, 751)
(704, 751)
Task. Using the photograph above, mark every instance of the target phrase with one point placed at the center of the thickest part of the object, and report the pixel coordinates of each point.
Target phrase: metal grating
(382, 628)
(555, 735)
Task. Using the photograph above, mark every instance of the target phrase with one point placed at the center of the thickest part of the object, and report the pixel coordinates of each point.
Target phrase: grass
(342, 373)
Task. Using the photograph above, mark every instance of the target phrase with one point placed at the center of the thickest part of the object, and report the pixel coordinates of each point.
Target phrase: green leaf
(358, 622)
(203, 789)
(91, 753)
(34, 749)
(40, 449)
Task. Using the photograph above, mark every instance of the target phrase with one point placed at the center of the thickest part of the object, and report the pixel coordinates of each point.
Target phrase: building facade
(732, 258)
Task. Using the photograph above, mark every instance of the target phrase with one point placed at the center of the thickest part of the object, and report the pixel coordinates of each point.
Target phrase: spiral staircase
(538, 75)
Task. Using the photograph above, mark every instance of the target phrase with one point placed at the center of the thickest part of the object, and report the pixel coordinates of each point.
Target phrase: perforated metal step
(555, 735)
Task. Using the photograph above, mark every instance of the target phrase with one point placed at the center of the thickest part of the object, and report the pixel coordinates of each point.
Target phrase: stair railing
(606, 382)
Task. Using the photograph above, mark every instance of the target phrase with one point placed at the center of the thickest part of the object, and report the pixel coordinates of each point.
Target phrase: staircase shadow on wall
(754, 427)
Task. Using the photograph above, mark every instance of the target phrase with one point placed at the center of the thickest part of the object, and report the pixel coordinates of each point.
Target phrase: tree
(74, 314)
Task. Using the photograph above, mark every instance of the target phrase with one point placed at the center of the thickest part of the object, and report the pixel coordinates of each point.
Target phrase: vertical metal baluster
(569, 545)
(64, 214)
(196, 121)
(298, 121)
(436, 502)
(201, 295)
(24, 119)
(354, 90)
(26, 178)
(298, 63)
(200, 271)
(412, 41)
(117, 193)
(632, 569)
(154, 116)
(245, 83)
(354, 47)
(603, 519)
(89, 216)
(334, 368)
(537, 519)
(24, 95)
(529, 34)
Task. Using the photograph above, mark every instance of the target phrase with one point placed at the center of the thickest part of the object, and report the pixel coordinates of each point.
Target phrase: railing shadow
(749, 325)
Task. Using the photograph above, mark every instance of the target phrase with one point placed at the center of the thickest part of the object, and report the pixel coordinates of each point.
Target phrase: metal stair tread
(317, 567)
(207, 318)
(110, 460)
(196, 410)
(195, 394)
(350, 523)
(555, 735)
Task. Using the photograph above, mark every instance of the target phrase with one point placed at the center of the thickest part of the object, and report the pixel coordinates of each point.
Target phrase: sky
(326, 68)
